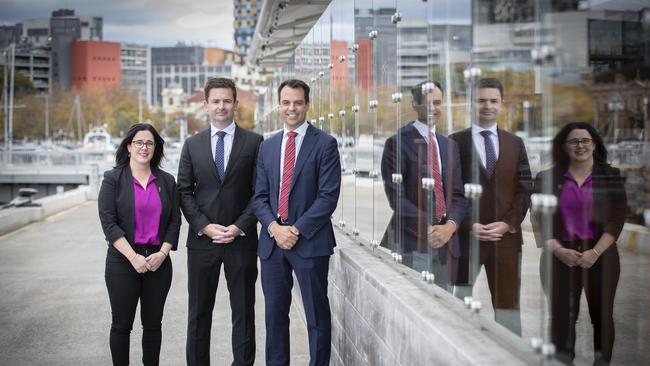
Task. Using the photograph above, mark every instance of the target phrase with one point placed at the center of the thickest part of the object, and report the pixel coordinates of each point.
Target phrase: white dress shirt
(227, 141)
(479, 141)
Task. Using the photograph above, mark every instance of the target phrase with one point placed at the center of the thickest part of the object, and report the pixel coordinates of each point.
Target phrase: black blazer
(116, 205)
(610, 201)
(206, 199)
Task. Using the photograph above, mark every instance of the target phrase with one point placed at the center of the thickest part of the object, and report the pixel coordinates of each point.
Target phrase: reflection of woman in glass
(140, 215)
(590, 216)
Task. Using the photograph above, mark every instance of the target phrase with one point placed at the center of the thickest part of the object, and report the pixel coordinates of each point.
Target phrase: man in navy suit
(422, 180)
(297, 189)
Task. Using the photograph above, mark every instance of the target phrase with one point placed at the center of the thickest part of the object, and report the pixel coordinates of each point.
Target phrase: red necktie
(439, 194)
(287, 175)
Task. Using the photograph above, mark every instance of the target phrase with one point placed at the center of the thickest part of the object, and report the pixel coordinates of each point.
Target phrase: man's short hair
(416, 90)
(491, 83)
(215, 83)
(295, 84)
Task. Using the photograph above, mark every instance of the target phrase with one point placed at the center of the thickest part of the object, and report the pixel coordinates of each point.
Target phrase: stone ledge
(16, 217)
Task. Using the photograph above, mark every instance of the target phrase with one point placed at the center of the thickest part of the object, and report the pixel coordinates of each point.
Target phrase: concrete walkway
(54, 307)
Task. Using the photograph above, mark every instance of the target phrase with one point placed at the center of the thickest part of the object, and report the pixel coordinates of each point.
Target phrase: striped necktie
(287, 175)
(439, 195)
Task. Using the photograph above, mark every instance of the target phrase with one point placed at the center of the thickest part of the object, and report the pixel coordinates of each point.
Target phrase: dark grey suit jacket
(205, 199)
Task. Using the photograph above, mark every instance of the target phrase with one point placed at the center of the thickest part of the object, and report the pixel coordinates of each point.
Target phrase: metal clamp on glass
(342, 223)
(548, 350)
(321, 74)
(355, 232)
(475, 306)
(396, 18)
(396, 97)
(544, 203)
(341, 59)
(374, 243)
(321, 119)
(473, 73)
(330, 66)
(536, 343)
(373, 104)
(397, 258)
(355, 108)
(467, 300)
(473, 190)
(542, 55)
(373, 174)
(428, 184)
(354, 47)
(428, 87)
(397, 178)
(373, 34)
(330, 116)
(428, 277)
(341, 113)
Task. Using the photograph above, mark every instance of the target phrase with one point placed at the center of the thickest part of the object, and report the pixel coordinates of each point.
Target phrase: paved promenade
(54, 306)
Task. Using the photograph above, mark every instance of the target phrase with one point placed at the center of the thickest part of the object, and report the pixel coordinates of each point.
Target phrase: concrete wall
(14, 218)
(384, 314)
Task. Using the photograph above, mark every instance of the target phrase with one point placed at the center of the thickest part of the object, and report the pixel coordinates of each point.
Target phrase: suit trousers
(240, 269)
(599, 282)
(125, 287)
(277, 282)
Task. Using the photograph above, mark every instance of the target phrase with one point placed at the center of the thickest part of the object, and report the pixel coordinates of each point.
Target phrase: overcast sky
(156, 23)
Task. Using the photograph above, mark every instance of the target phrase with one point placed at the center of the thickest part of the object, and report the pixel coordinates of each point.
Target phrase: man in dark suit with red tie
(298, 185)
(216, 177)
(421, 173)
(501, 162)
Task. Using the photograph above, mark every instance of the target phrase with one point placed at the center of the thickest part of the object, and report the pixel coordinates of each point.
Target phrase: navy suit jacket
(314, 192)
(412, 205)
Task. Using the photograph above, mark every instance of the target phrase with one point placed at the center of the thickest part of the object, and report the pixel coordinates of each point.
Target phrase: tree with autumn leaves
(111, 106)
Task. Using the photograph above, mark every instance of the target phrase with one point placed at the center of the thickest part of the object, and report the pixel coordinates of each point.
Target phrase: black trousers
(125, 287)
(599, 282)
(240, 268)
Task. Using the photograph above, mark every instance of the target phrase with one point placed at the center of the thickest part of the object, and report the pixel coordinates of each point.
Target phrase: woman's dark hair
(561, 158)
(122, 153)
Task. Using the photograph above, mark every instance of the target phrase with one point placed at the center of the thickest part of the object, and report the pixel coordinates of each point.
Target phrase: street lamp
(615, 106)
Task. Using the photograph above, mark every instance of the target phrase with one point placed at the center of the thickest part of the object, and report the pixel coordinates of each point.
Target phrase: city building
(245, 14)
(135, 63)
(95, 64)
(66, 28)
(187, 66)
(34, 62)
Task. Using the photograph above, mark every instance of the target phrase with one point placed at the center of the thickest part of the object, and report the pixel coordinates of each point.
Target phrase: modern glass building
(512, 301)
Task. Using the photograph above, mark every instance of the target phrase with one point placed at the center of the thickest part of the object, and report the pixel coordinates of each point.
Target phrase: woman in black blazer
(140, 216)
(589, 218)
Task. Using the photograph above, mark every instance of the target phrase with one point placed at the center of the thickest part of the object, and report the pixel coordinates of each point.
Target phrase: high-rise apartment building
(245, 20)
(136, 70)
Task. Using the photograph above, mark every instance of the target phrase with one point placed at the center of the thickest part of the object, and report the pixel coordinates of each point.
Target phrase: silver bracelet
(595, 251)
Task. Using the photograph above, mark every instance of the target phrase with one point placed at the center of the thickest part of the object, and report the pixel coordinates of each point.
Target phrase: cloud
(152, 22)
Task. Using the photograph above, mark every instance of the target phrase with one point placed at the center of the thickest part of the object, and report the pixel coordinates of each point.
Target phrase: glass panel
(364, 119)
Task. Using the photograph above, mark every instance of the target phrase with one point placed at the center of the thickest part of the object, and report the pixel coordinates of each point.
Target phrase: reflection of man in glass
(504, 174)
(421, 172)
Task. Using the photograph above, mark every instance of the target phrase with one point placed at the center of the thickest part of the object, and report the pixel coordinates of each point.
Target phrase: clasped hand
(285, 236)
(221, 234)
(491, 232)
(439, 235)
